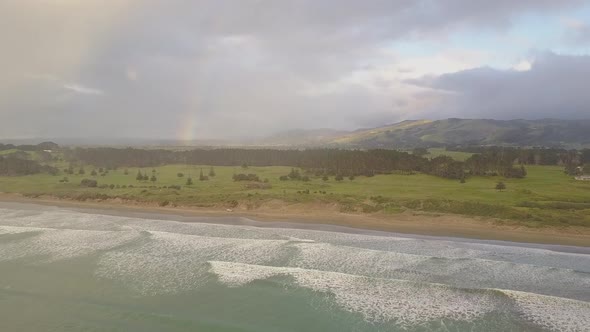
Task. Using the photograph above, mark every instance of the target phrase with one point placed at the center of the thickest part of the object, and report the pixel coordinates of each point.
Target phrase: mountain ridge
(455, 131)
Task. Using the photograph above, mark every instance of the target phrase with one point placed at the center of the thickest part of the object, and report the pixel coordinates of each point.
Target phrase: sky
(215, 69)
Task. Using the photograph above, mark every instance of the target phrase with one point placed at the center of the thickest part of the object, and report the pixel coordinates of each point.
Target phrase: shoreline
(318, 218)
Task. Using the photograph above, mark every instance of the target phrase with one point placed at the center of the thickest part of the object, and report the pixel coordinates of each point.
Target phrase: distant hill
(302, 137)
(428, 133)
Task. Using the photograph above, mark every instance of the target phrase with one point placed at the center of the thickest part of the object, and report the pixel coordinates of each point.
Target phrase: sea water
(63, 270)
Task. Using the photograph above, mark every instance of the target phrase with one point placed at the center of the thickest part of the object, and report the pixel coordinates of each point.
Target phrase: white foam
(170, 262)
(50, 245)
(553, 313)
(378, 300)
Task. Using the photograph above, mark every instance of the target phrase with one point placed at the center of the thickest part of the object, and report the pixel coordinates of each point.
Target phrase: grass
(545, 197)
(6, 152)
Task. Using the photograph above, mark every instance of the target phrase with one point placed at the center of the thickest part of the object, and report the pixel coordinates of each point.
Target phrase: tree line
(16, 167)
(319, 162)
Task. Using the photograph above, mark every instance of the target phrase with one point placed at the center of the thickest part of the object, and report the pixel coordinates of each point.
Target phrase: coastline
(319, 217)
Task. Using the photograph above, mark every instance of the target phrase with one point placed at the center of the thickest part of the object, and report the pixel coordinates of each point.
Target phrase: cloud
(577, 32)
(77, 88)
(554, 86)
(235, 68)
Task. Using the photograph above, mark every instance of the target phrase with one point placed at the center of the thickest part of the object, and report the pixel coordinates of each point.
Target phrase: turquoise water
(64, 270)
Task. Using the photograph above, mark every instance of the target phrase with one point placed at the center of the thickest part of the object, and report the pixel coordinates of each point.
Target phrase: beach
(319, 216)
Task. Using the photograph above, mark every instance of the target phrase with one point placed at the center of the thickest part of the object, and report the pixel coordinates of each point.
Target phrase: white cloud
(523, 65)
(77, 88)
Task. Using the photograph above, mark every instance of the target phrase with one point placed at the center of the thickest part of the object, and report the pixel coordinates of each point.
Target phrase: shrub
(88, 183)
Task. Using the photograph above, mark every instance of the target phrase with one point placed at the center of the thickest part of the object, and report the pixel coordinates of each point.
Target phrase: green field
(457, 155)
(7, 152)
(545, 197)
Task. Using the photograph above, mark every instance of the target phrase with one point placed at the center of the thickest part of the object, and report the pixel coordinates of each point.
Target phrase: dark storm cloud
(143, 68)
(555, 86)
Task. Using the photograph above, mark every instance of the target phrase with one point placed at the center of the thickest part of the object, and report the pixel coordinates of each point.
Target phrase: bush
(180, 175)
(88, 183)
(164, 203)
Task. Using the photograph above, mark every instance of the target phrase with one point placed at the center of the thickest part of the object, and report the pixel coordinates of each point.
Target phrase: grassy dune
(545, 197)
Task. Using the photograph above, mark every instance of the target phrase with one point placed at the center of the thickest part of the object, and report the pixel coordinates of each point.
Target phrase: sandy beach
(317, 216)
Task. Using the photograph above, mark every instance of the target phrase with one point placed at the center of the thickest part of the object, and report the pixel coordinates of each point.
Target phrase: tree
(325, 178)
(339, 177)
(420, 152)
(202, 177)
(81, 171)
(212, 172)
(93, 173)
(180, 175)
(145, 177)
(351, 178)
(139, 176)
(153, 178)
(189, 181)
(294, 174)
(500, 186)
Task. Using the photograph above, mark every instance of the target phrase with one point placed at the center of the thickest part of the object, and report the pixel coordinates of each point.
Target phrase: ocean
(67, 270)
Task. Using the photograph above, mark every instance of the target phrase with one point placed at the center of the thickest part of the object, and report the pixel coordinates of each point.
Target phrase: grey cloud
(555, 86)
(236, 67)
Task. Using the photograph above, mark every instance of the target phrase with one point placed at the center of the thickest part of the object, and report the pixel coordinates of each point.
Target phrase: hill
(450, 132)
